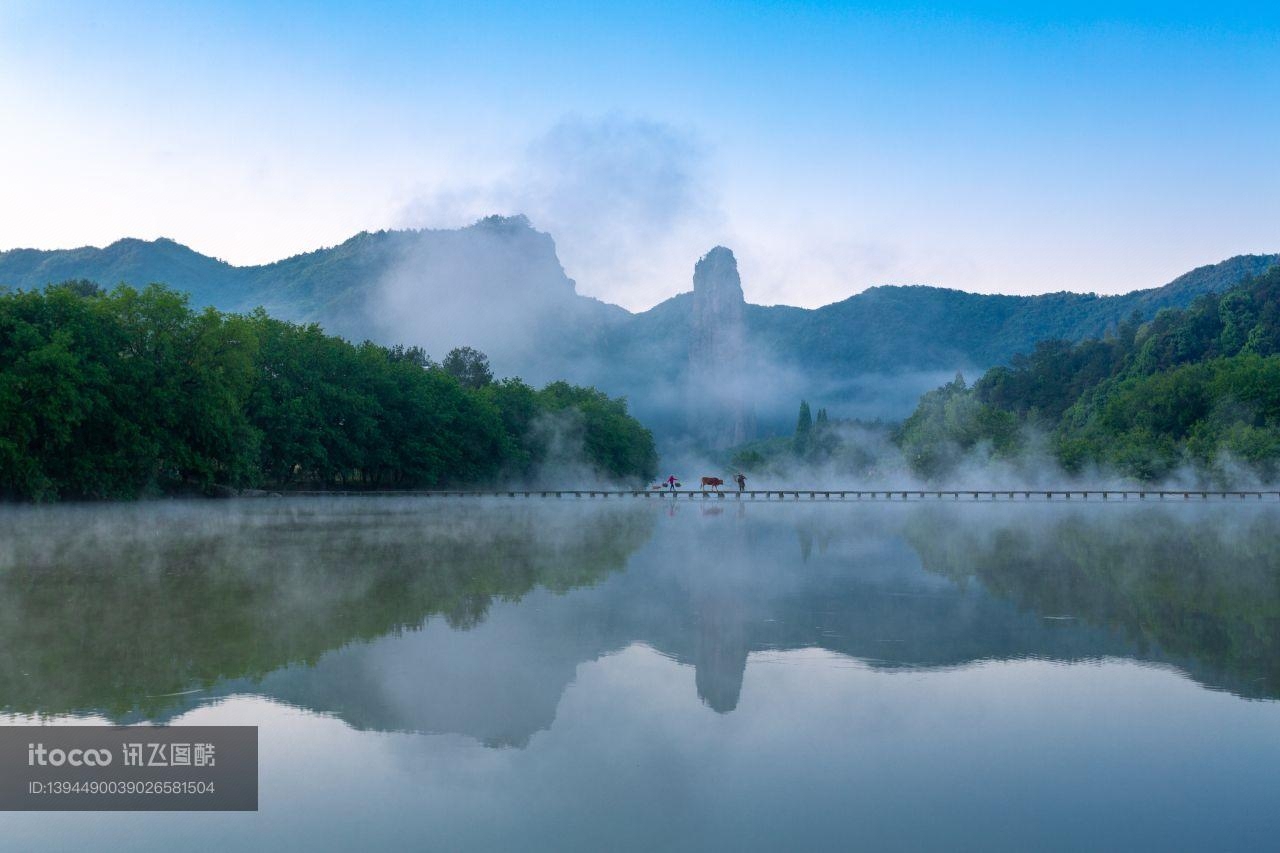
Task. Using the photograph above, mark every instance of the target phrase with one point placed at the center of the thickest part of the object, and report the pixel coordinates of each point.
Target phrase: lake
(542, 674)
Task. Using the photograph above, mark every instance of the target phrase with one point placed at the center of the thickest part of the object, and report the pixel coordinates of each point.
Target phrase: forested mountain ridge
(341, 287)
(1195, 388)
(922, 327)
(208, 281)
(498, 285)
(917, 325)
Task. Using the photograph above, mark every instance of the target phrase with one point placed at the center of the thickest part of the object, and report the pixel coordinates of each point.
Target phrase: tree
(82, 287)
(804, 430)
(110, 395)
(414, 355)
(824, 441)
(469, 366)
(613, 443)
(119, 394)
(1197, 387)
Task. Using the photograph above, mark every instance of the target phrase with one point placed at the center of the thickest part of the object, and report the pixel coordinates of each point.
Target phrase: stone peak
(716, 273)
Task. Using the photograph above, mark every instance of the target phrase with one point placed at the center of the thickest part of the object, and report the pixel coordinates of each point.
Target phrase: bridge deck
(1003, 495)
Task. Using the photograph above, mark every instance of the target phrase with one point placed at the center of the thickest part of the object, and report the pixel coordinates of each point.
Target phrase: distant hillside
(874, 353)
(209, 281)
(497, 276)
(924, 327)
(499, 285)
(1193, 392)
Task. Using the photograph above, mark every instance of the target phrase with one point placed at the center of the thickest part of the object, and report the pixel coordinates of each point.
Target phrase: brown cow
(714, 482)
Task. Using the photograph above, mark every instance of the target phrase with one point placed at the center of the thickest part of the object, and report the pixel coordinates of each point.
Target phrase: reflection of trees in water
(811, 534)
(1198, 589)
(112, 608)
(1201, 585)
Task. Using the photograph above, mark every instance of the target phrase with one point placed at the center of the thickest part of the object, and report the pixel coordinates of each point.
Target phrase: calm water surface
(614, 675)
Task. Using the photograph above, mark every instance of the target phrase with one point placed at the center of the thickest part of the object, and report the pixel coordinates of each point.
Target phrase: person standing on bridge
(741, 480)
(672, 482)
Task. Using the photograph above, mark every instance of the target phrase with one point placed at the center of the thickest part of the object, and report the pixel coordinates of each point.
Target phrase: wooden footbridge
(896, 495)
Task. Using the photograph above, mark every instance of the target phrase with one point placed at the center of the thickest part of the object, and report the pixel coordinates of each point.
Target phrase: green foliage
(748, 459)
(950, 422)
(1043, 384)
(119, 394)
(1147, 425)
(824, 442)
(804, 430)
(469, 366)
(889, 330)
(846, 447)
(128, 393)
(1198, 387)
(613, 442)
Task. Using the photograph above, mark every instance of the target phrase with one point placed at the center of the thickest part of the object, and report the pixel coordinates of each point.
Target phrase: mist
(704, 370)
(867, 457)
(629, 199)
(287, 598)
(496, 286)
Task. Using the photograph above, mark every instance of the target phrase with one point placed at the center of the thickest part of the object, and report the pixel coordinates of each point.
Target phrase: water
(586, 675)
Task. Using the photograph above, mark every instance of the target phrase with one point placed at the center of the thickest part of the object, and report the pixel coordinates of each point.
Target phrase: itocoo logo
(38, 755)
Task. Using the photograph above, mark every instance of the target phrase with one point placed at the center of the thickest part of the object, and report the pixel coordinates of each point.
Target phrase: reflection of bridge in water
(1001, 495)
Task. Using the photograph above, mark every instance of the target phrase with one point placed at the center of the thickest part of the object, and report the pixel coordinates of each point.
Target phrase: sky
(987, 146)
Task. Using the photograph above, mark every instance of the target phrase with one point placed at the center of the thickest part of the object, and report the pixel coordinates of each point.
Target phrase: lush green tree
(614, 443)
(804, 430)
(469, 366)
(519, 408)
(414, 355)
(117, 394)
(949, 423)
(126, 393)
(1194, 387)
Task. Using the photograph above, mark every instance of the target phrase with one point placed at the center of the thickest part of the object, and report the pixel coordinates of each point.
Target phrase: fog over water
(553, 674)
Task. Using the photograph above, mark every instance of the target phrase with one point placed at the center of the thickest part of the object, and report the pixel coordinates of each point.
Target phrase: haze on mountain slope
(498, 285)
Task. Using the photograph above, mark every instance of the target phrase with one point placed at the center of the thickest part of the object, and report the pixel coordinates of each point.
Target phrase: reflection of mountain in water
(501, 680)
(272, 603)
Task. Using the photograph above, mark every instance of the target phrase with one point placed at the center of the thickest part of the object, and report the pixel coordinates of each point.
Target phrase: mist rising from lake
(637, 673)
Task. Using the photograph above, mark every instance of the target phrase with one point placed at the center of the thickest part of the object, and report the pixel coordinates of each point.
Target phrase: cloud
(628, 200)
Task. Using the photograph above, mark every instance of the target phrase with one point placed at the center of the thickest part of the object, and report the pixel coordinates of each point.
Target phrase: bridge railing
(791, 494)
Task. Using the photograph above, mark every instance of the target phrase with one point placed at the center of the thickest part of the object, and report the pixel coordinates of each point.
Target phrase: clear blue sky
(987, 146)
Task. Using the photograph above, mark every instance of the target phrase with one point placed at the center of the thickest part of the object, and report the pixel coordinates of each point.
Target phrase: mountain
(493, 285)
(208, 280)
(873, 354)
(498, 285)
(920, 327)
(720, 407)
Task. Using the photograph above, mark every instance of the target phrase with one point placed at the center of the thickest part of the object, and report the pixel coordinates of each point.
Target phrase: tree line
(127, 393)
(1193, 389)
(846, 447)
(1196, 387)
